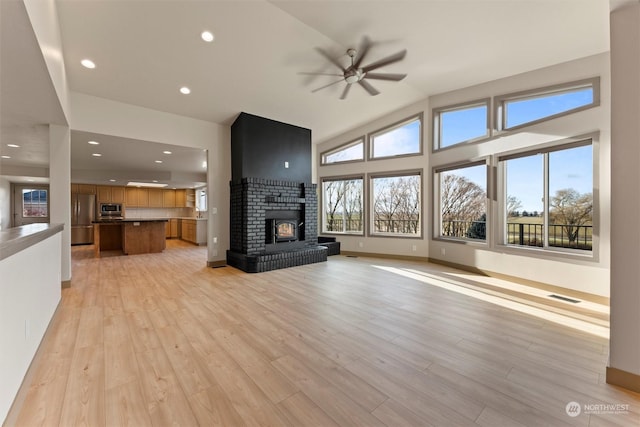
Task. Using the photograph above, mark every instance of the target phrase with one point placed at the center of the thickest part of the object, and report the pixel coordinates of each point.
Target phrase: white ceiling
(146, 50)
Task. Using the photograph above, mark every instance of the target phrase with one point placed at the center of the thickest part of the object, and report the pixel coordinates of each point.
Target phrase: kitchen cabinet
(156, 196)
(171, 228)
(169, 199)
(136, 197)
(104, 194)
(117, 194)
(86, 189)
(186, 198)
(194, 231)
(110, 194)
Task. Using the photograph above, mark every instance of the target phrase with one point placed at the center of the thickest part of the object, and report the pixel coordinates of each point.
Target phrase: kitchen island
(131, 236)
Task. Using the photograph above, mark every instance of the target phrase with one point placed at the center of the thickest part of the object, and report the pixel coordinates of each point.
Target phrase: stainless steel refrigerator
(83, 211)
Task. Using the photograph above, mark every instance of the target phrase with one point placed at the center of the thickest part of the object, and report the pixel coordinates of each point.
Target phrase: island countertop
(126, 220)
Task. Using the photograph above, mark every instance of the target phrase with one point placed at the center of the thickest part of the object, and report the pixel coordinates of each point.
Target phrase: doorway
(30, 204)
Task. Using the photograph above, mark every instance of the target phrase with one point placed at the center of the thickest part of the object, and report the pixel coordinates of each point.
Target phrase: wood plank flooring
(160, 340)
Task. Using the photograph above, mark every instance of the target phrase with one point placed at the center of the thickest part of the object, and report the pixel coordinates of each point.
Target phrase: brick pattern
(251, 199)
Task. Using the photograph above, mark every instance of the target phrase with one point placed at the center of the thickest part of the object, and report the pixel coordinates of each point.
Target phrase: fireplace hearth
(273, 225)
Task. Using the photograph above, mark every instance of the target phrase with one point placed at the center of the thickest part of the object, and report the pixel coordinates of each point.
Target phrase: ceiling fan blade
(364, 49)
(372, 91)
(330, 84)
(345, 92)
(385, 61)
(320, 74)
(330, 58)
(385, 76)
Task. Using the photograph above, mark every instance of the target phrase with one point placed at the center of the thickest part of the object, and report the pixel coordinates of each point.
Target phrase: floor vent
(351, 256)
(567, 299)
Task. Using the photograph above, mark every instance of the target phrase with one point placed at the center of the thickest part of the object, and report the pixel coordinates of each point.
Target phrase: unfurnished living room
(319, 213)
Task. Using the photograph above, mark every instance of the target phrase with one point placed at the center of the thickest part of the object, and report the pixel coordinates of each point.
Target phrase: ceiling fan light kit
(357, 74)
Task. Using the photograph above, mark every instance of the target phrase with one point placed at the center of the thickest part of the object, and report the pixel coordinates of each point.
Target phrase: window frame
(322, 201)
(545, 149)
(389, 128)
(370, 201)
(362, 139)
(436, 122)
(437, 200)
(501, 101)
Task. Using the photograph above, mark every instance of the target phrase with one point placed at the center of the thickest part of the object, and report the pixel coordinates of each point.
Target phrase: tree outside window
(463, 202)
(396, 205)
(343, 205)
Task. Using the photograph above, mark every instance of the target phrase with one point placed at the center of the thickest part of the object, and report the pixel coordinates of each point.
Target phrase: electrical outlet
(443, 251)
(286, 165)
(360, 244)
(414, 248)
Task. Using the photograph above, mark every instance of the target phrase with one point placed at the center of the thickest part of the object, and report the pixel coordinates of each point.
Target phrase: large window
(461, 123)
(395, 204)
(350, 152)
(404, 138)
(549, 197)
(529, 107)
(463, 201)
(343, 205)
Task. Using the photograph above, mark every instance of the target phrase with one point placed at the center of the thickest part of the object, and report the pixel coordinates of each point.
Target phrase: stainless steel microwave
(110, 210)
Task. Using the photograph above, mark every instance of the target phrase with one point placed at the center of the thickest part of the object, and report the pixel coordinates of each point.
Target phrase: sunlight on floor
(557, 318)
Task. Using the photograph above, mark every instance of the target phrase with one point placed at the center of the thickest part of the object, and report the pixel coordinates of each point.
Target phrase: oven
(110, 211)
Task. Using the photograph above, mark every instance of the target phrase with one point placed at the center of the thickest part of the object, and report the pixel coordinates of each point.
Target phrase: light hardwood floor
(162, 340)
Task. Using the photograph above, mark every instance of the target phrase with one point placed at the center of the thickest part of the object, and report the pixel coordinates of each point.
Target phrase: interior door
(30, 204)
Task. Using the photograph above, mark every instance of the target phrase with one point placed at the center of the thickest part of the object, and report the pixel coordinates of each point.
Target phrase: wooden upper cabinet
(143, 197)
(191, 198)
(104, 194)
(169, 199)
(86, 189)
(117, 194)
(181, 198)
(131, 196)
(156, 197)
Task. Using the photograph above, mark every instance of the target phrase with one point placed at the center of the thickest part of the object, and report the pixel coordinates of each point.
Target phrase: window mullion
(545, 205)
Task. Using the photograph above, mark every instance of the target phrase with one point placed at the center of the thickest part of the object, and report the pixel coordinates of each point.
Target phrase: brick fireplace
(274, 206)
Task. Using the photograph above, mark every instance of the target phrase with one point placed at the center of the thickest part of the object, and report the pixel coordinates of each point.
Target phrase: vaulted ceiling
(146, 50)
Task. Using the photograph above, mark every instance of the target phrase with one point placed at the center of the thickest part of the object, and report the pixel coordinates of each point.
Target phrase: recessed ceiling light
(87, 63)
(185, 90)
(97, 155)
(207, 36)
(6, 157)
(158, 161)
(13, 145)
(166, 152)
(94, 143)
(155, 180)
(112, 180)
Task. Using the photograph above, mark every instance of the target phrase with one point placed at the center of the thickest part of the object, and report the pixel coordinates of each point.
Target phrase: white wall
(99, 115)
(587, 274)
(28, 299)
(5, 204)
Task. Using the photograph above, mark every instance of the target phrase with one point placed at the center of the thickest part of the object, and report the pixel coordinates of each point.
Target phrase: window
(396, 201)
(402, 139)
(34, 203)
(463, 201)
(350, 152)
(461, 123)
(529, 107)
(343, 205)
(549, 197)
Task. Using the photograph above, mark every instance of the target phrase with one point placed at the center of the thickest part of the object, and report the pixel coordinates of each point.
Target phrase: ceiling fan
(355, 73)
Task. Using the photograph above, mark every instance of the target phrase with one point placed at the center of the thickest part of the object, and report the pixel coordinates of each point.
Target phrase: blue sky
(571, 168)
(402, 140)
